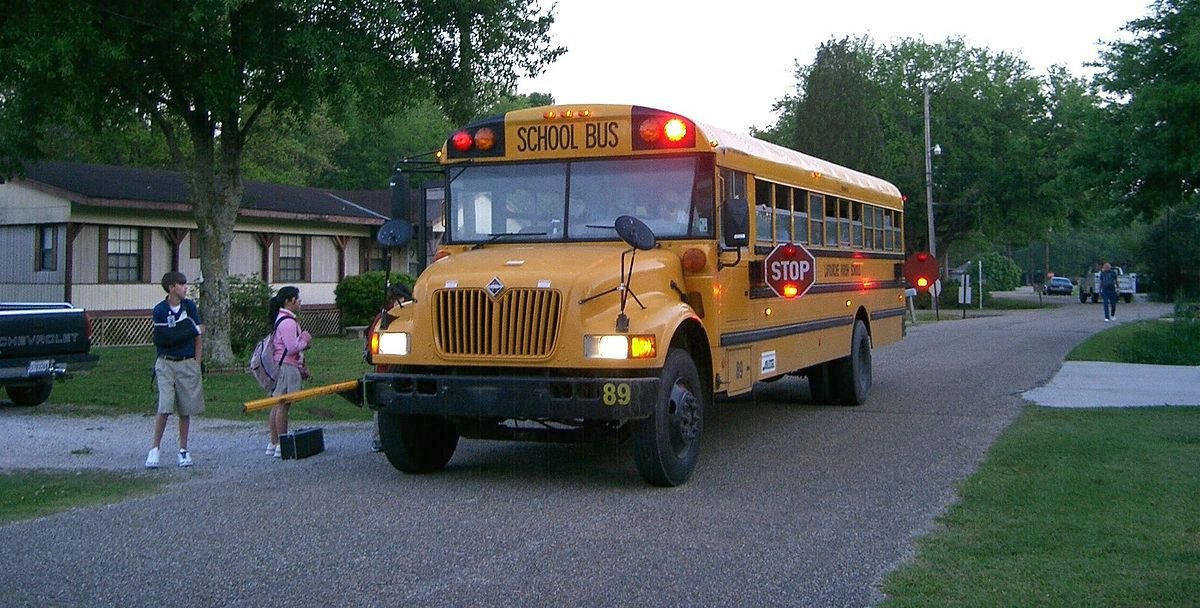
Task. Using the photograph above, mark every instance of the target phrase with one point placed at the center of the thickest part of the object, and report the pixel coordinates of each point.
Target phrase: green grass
(1071, 508)
(1076, 507)
(120, 384)
(1157, 342)
(29, 494)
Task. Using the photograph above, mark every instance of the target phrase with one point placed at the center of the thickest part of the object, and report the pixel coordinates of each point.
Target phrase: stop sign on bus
(790, 270)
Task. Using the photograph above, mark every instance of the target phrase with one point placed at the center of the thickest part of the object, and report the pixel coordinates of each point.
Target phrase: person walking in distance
(177, 370)
(289, 344)
(1108, 291)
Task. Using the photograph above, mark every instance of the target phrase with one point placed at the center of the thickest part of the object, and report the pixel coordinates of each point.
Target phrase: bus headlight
(619, 347)
(394, 343)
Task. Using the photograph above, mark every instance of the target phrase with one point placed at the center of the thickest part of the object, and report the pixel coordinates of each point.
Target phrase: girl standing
(289, 342)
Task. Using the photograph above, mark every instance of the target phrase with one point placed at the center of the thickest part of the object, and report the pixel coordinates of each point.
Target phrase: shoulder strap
(279, 320)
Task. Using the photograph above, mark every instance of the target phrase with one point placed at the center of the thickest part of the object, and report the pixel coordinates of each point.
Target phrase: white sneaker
(1107, 320)
(272, 449)
(152, 459)
(184, 459)
(1114, 318)
(278, 452)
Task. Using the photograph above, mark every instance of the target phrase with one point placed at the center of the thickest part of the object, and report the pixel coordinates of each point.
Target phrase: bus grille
(521, 323)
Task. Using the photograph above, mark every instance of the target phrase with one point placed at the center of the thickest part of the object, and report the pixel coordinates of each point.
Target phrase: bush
(1000, 272)
(360, 297)
(248, 310)
(1174, 343)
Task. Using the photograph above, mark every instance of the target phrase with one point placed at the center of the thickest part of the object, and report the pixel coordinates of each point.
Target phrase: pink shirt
(290, 339)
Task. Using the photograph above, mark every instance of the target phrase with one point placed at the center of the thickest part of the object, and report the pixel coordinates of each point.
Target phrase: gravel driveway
(219, 448)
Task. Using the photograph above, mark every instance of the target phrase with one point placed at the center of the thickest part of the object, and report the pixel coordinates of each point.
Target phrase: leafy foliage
(1000, 272)
(1154, 80)
(1171, 253)
(249, 310)
(360, 297)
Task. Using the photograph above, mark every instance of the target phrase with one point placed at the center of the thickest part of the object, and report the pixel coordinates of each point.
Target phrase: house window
(124, 254)
(47, 252)
(376, 258)
(291, 257)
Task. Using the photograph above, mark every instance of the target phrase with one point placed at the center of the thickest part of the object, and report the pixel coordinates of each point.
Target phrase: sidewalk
(1082, 384)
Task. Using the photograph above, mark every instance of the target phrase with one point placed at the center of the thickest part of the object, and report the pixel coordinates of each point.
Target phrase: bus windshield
(580, 200)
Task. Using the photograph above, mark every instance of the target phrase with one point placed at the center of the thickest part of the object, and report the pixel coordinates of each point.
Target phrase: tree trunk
(215, 185)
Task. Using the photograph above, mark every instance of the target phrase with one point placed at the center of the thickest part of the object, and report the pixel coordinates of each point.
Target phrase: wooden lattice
(121, 331)
(137, 330)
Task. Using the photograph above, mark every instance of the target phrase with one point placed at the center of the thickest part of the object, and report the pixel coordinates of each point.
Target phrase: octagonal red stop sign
(790, 270)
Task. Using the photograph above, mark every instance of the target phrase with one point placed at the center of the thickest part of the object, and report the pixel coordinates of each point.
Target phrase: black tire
(850, 377)
(26, 395)
(1128, 298)
(667, 444)
(417, 444)
(1083, 298)
(1095, 298)
(818, 383)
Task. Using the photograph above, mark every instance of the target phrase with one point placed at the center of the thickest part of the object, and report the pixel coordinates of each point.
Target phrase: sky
(726, 63)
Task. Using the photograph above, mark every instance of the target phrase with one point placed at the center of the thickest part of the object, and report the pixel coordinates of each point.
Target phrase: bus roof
(789, 161)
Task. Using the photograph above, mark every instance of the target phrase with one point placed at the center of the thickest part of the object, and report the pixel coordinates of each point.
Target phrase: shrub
(1174, 343)
(360, 297)
(248, 310)
(1000, 272)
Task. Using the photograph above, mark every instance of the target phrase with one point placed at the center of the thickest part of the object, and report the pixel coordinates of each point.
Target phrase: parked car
(1059, 286)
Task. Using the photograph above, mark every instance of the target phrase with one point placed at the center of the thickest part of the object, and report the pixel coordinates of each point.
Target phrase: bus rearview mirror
(735, 223)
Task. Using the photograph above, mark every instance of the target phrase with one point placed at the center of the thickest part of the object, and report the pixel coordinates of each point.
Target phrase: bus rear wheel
(417, 444)
(667, 444)
(850, 377)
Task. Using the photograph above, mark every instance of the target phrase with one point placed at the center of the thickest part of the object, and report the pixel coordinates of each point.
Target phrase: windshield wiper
(492, 238)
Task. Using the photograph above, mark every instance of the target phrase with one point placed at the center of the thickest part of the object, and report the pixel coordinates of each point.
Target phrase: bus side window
(800, 214)
(783, 214)
(868, 227)
(762, 212)
(816, 215)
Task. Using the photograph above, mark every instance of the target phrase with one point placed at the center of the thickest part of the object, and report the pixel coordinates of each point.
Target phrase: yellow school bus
(608, 270)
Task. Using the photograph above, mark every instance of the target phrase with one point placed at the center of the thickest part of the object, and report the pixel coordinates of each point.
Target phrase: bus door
(734, 364)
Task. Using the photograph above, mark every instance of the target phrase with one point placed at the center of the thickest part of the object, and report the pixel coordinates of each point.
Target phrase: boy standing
(177, 330)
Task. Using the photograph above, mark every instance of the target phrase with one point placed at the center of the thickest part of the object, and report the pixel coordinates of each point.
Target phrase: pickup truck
(1089, 285)
(39, 343)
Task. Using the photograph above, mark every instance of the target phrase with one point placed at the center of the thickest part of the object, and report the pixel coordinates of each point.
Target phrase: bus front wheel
(850, 377)
(417, 444)
(667, 444)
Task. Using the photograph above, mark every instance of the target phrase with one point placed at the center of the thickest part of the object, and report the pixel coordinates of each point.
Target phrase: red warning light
(789, 251)
(461, 141)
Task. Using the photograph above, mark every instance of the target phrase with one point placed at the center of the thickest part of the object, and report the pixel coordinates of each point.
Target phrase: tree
(468, 45)
(1153, 83)
(204, 72)
(833, 112)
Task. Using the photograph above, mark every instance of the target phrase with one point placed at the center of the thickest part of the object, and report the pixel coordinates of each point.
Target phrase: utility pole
(929, 176)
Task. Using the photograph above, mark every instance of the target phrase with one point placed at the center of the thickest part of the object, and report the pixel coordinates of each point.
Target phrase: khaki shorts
(180, 387)
(289, 380)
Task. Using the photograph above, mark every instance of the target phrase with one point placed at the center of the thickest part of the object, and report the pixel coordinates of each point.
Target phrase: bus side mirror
(735, 223)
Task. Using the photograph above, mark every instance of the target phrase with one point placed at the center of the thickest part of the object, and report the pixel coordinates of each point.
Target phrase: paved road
(793, 504)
